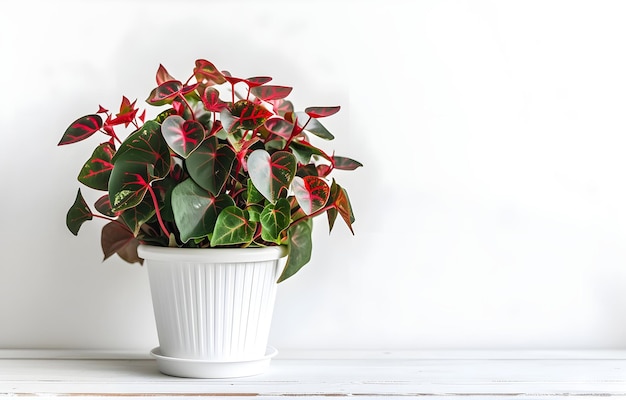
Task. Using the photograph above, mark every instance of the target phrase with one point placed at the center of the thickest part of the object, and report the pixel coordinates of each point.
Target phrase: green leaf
(210, 164)
(81, 129)
(253, 196)
(255, 210)
(271, 174)
(143, 158)
(300, 248)
(97, 170)
(275, 218)
(103, 205)
(196, 210)
(78, 213)
(233, 226)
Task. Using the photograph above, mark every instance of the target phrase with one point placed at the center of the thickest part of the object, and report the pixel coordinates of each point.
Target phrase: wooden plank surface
(489, 375)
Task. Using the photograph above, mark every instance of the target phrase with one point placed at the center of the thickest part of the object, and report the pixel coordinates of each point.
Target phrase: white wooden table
(306, 374)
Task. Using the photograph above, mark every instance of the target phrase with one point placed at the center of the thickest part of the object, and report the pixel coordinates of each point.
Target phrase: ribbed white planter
(213, 308)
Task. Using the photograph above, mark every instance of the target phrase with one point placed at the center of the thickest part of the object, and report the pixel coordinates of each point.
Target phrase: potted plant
(217, 194)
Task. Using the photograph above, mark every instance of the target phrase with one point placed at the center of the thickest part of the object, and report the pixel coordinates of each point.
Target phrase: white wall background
(491, 212)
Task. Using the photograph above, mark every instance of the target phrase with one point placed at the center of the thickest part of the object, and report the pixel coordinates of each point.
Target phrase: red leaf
(102, 110)
(311, 192)
(271, 92)
(211, 100)
(257, 81)
(205, 72)
(319, 112)
(162, 75)
(164, 92)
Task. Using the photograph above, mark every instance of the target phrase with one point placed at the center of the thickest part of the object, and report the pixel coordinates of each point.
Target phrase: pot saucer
(192, 368)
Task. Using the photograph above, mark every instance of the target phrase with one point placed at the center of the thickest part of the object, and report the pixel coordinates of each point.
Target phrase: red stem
(193, 116)
(158, 213)
(315, 214)
(296, 132)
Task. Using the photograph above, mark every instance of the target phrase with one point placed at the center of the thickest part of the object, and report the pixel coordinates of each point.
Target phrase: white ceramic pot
(213, 308)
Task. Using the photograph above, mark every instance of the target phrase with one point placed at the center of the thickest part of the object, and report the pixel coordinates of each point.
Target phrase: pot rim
(212, 255)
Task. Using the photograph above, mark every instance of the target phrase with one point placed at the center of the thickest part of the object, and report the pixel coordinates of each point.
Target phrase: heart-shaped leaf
(97, 170)
(182, 136)
(233, 226)
(116, 238)
(311, 192)
(206, 73)
(165, 93)
(300, 248)
(196, 210)
(138, 215)
(271, 174)
(275, 219)
(210, 164)
(271, 92)
(211, 100)
(81, 129)
(78, 213)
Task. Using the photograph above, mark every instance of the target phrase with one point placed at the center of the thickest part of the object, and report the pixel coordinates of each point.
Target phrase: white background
(490, 211)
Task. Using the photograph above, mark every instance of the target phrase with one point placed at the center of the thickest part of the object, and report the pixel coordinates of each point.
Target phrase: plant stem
(112, 220)
(315, 214)
(158, 212)
(193, 116)
(296, 132)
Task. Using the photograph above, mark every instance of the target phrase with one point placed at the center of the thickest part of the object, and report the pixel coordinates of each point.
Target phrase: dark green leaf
(78, 213)
(97, 170)
(81, 129)
(210, 164)
(300, 248)
(196, 210)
